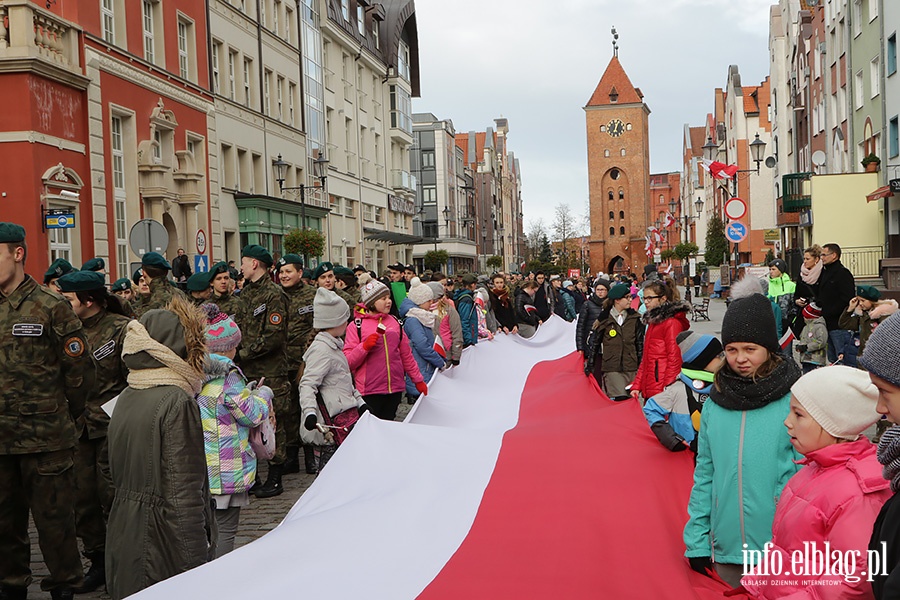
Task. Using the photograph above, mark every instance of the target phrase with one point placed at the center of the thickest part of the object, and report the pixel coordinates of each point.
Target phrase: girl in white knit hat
(834, 499)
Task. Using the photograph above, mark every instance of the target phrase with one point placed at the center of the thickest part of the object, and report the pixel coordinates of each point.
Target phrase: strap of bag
(358, 323)
(325, 416)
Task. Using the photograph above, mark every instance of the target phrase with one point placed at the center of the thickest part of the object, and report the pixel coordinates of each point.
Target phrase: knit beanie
(780, 265)
(750, 319)
(697, 350)
(437, 288)
(372, 290)
(329, 310)
(419, 292)
(881, 351)
(841, 399)
(812, 311)
(222, 333)
(603, 282)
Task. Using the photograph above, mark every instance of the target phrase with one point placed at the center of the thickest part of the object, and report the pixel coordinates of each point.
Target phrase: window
(368, 212)
(401, 109)
(119, 195)
(612, 215)
(361, 19)
(262, 13)
(403, 60)
(875, 75)
(60, 242)
(857, 17)
(894, 138)
(429, 194)
(267, 107)
(428, 159)
(621, 231)
(108, 16)
(858, 93)
(147, 9)
(345, 9)
(621, 194)
(335, 203)
(606, 153)
(275, 17)
(279, 97)
(216, 52)
(292, 91)
(873, 10)
(157, 147)
(185, 49)
(231, 90)
(288, 24)
(379, 215)
(892, 54)
(247, 91)
(622, 214)
(612, 231)
(375, 35)
(610, 195)
(349, 208)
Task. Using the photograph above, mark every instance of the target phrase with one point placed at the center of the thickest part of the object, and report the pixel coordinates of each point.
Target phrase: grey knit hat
(437, 288)
(882, 349)
(329, 310)
(751, 320)
(372, 290)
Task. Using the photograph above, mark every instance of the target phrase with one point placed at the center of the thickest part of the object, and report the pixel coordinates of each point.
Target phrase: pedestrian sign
(736, 232)
(201, 263)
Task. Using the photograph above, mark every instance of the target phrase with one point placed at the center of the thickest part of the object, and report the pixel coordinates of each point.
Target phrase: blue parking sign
(201, 263)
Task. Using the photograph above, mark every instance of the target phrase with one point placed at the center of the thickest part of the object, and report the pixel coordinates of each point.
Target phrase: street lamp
(320, 169)
(710, 149)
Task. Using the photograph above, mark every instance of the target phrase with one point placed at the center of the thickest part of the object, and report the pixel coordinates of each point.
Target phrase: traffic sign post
(735, 209)
(201, 242)
(201, 263)
(736, 232)
(146, 236)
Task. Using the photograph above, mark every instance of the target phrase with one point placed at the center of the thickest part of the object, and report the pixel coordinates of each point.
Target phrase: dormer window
(613, 95)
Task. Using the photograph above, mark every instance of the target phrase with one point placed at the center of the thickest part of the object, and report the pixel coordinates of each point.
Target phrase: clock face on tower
(615, 128)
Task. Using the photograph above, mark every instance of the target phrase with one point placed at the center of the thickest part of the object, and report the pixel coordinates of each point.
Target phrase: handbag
(341, 424)
(262, 437)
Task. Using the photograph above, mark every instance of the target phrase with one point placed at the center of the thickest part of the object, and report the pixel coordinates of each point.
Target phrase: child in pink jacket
(379, 353)
(834, 499)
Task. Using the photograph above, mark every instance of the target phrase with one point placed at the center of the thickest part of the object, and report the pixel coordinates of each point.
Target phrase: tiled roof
(615, 78)
(698, 139)
(750, 102)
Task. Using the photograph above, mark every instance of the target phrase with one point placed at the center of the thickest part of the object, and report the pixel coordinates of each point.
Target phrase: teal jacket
(744, 460)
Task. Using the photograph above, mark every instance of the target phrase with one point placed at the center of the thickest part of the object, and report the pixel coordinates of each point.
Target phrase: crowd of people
(136, 416)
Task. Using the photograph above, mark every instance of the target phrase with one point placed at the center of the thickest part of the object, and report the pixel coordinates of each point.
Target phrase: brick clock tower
(618, 172)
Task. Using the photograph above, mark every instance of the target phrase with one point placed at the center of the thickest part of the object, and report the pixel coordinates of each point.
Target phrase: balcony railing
(795, 192)
(402, 180)
(29, 31)
(863, 261)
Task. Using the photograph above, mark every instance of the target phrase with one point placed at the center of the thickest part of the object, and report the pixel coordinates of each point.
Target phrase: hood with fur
(883, 309)
(665, 311)
(215, 366)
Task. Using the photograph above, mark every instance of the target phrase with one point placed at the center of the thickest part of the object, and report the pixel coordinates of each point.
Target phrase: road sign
(148, 235)
(574, 273)
(201, 263)
(60, 221)
(201, 242)
(736, 232)
(735, 209)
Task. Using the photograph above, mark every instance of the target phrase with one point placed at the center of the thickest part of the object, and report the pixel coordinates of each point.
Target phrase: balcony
(796, 192)
(402, 181)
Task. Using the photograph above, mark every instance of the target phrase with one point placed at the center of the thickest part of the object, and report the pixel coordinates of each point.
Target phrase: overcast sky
(537, 64)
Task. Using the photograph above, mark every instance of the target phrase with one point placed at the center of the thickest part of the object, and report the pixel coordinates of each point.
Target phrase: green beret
(136, 278)
(155, 259)
(469, 279)
(11, 233)
(620, 290)
(291, 259)
(307, 274)
(95, 264)
(340, 270)
(323, 268)
(219, 267)
(81, 281)
(58, 268)
(121, 285)
(199, 281)
(257, 252)
(868, 292)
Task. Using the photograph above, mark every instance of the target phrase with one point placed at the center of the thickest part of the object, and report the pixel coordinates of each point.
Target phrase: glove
(801, 348)
(422, 387)
(681, 445)
(701, 564)
(310, 422)
(362, 409)
(454, 363)
(370, 341)
(266, 393)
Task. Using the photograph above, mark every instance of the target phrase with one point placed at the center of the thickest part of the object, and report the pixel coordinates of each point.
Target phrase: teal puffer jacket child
(744, 460)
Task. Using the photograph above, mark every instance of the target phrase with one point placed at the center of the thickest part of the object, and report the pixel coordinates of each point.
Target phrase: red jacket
(661, 363)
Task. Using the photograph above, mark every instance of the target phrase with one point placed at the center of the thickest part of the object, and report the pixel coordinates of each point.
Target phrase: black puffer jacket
(590, 311)
(522, 315)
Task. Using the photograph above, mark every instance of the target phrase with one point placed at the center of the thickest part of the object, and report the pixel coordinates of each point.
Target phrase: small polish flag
(670, 220)
(786, 339)
(719, 170)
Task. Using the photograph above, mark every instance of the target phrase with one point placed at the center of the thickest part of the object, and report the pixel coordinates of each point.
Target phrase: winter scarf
(174, 372)
(502, 297)
(744, 393)
(425, 317)
(889, 456)
(811, 276)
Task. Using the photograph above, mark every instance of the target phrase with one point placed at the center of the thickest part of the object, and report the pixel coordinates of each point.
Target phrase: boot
(292, 463)
(309, 457)
(59, 594)
(272, 486)
(8, 592)
(96, 575)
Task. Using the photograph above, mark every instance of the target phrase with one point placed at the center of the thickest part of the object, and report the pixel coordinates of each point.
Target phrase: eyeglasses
(828, 254)
(651, 297)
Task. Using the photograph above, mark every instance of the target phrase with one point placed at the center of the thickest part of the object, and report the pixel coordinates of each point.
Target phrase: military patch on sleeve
(105, 350)
(74, 347)
(28, 329)
(259, 310)
(305, 310)
(275, 318)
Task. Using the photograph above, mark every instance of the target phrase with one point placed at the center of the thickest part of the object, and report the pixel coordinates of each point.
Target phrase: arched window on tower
(623, 151)
(610, 195)
(621, 214)
(606, 154)
(621, 194)
(622, 230)
(612, 231)
(611, 215)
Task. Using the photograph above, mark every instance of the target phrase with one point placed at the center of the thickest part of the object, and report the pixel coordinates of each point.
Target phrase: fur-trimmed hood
(665, 311)
(215, 366)
(883, 309)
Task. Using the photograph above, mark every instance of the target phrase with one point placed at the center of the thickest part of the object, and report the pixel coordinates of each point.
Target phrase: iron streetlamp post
(320, 169)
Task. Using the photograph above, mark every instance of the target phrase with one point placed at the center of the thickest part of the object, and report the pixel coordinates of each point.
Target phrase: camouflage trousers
(94, 497)
(44, 483)
(287, 416)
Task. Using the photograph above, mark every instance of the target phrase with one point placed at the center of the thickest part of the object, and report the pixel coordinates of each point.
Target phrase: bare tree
(536, 232)
(564, 225)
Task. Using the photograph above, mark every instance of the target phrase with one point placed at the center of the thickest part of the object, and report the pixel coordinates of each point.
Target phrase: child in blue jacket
(418, 326)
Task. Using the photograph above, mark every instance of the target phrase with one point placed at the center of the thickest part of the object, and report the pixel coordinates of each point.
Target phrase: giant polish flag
(514, 478)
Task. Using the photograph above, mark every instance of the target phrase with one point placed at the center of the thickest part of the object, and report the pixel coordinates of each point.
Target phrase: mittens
(701, 564)
(310, 422)
(370, 341)
(422, 387)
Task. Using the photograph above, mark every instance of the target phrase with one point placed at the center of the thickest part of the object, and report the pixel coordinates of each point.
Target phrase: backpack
(262, 437)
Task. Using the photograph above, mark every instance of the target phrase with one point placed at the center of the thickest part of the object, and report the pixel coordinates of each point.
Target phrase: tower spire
(615, 41)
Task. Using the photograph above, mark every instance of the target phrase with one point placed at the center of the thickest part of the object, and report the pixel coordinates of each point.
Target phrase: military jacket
(227, 303)
(47, 371)
(261, 317)
(299, 322)
(161, 293)
(105, 333)
(351, 295)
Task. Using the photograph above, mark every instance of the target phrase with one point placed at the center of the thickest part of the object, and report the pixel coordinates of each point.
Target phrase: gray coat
(161, 522)
(326, 373)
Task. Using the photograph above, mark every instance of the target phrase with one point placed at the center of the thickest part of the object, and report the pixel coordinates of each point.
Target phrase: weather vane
(615, 41)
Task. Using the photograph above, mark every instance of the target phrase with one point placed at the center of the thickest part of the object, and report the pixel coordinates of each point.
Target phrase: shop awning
(391, 237)
(882, 192)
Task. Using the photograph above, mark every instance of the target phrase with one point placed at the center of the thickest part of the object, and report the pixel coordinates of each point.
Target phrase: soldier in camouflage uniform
(299, 334)
(156, 270)
(261, 317)
(104, 322)
(345, 281)
(222, 286)
(325, 278)
(122, 289)
(47, 373)
(198, 286)
(58, 268)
